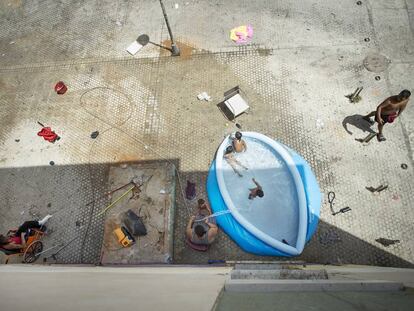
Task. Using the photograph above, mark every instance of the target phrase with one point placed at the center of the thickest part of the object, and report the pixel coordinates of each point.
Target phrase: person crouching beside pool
(232, 161)
(201, 232)
(257, 191)
(239, 144)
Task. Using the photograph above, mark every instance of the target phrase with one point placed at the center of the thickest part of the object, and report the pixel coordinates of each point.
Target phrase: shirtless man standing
(239, 144)
(388, 111)
(232, 161)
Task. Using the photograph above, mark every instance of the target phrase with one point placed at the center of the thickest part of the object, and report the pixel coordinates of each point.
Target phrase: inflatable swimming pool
(286, 217)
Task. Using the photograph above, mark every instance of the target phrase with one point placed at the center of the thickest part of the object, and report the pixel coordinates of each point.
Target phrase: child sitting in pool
(232, 161)
(239, 144)
(257, 191)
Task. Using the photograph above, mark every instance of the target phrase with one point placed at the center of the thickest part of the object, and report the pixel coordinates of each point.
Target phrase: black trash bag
(134, 224)
(190, 190)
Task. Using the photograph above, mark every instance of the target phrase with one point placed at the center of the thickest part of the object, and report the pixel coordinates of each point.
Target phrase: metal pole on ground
(174, 49)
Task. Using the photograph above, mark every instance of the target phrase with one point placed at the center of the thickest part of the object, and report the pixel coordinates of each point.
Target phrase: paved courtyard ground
(304, 58)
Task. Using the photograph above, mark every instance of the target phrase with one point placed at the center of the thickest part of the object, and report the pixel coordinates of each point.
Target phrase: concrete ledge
(162, 269)
(309, 285)
(101, 289)
(255, 274)
(258, 266)
(295, 274)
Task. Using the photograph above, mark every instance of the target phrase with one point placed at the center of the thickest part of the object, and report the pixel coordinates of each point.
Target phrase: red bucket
(60, 88)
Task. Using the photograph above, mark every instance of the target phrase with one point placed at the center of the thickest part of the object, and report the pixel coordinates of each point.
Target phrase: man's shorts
(387, 118)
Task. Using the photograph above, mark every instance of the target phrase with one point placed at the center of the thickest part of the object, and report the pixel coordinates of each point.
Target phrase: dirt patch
(185, 50)
(153, 204)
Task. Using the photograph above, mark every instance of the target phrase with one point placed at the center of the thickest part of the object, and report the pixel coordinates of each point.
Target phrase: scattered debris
(47, 133)
(60, 88)
(241, 34)
(162, 191)
(134, 224)
(59, 250)
(367, 139)
(134, 47)
(118, 23)
(378, 189)
(22, 212)
(343, 210)
(233, 104)
(404, 166)
(319, 124)
(387, 242)
(176, 6)
(331, 198)
(52, 163)
(135, 189)
(124, 237)
(204, 96)
(168, 258)
(190, 190)
(94, 134)
(124, 165)
(355, 97)
(395, 197)
(12, 42)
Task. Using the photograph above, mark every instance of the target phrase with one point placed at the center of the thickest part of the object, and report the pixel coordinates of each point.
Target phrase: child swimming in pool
(257, 191)
(239, 144)
(232, 161)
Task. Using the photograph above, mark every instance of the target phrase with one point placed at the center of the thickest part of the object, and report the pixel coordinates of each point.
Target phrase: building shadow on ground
(329, 245)
(31, 192)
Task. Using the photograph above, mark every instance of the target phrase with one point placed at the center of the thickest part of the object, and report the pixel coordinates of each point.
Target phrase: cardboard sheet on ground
(155, 205)
(134, 47)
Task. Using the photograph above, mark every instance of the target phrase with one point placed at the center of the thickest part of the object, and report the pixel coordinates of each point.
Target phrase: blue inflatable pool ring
(285, 218)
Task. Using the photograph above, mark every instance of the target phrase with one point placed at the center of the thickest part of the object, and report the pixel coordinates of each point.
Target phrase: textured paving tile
(146, 109)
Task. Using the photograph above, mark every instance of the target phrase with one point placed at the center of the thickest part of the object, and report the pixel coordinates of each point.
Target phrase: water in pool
(276, 213)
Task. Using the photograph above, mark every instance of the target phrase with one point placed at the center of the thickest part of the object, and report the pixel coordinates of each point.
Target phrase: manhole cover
(376, 62)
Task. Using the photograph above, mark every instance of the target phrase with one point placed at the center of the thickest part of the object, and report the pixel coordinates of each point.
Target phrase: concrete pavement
(303, 59)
